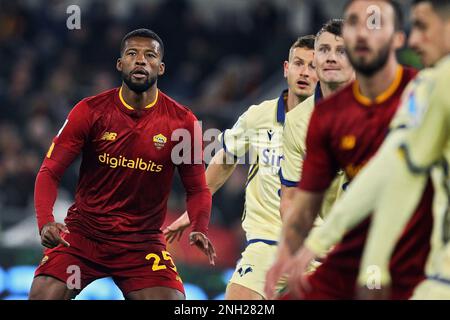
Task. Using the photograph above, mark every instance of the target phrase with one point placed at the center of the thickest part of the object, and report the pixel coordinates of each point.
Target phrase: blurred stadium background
(221, 57)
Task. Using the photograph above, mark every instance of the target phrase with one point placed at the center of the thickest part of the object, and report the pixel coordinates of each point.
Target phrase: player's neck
(373, 86)
(139, 100)
(293, 101)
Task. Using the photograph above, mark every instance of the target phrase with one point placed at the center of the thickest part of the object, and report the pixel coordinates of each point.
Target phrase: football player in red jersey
(345, 132)
(113, 227)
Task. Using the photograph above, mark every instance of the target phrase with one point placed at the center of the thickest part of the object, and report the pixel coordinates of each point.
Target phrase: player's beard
(369, 68)
(138, 87)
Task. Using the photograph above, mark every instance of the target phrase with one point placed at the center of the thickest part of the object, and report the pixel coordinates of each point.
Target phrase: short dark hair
(398, 13)
(306, 42)
(145, 33)
(333, 26)
(441, 7)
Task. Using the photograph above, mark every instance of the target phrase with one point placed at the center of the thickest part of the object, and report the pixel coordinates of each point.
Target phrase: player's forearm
(287, 196)
(47, 181)
(294, 235)
(198, 201)
(219, 170)
(199, 210)
(300, 218)
(283, 251)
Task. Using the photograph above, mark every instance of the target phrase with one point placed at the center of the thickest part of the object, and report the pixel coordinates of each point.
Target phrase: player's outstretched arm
(217, 173)
(393, 210)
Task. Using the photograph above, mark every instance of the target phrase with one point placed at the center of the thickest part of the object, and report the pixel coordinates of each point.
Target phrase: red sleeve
(198, 196)
(64, 149)
(319, 168)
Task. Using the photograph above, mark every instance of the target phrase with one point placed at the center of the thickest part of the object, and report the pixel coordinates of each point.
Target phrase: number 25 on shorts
(156, 266)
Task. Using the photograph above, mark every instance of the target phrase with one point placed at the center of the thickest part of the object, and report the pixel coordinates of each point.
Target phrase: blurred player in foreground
(393, 187)
(259, 131)
(345, 131)
(113, 228)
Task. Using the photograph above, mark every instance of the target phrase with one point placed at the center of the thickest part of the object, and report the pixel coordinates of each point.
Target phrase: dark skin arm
(50, 235)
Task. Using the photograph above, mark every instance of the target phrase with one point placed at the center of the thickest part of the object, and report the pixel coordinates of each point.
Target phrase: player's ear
(399, 40)
(119, 65)
(286, 67)
(162, 68)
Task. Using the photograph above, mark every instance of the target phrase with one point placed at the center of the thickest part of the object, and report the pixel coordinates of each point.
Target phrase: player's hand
(175, 229)
(364, 293)
(280, 267)
(298, 279)
(50, 235)
(204, 244)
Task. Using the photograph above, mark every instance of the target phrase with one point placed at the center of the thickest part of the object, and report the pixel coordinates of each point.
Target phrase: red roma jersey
(126, 170)
(345, 131)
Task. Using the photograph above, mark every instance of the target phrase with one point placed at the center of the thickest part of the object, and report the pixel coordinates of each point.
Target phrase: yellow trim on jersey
(383, 96)
(50, 150)
(130, 107)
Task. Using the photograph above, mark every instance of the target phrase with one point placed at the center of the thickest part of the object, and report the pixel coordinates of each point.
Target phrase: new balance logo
(109, 136)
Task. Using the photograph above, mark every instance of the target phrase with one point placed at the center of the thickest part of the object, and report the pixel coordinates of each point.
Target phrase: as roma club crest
(159, 140)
